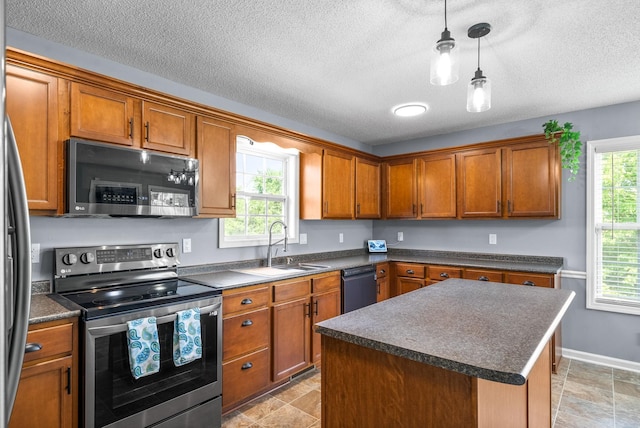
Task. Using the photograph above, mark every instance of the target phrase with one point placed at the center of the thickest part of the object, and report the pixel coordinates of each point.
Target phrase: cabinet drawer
(523, 278)
(53, 340)
(291, 290)
(325, 283)
(483, 275)
(233, 303)
(244, 333)
(410, 270)
(244, 377)
(382, 270)
(440, 273)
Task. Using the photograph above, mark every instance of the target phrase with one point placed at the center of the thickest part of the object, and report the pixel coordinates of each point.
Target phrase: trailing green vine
(568, 142)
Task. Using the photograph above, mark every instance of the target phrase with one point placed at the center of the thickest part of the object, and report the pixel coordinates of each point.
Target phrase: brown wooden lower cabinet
(245, 376)
(362, 387)
(382, 281)
(290, 338)
(48, 389)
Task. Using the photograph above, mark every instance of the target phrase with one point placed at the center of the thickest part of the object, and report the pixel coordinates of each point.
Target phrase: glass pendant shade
(479, 93)
(444, 61)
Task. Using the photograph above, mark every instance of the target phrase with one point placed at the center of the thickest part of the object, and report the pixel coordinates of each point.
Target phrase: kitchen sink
(283, 269)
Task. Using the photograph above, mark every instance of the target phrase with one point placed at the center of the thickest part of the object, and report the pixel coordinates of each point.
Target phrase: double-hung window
(613, 225)
(266, 191)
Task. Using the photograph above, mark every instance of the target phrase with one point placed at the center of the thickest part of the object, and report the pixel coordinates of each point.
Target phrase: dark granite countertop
(44, 308)
(487, 330)
(240, 274)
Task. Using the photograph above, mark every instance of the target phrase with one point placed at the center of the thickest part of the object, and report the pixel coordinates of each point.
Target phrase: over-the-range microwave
(107, 180)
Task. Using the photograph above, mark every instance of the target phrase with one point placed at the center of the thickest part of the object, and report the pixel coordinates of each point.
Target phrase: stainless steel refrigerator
(15, 271)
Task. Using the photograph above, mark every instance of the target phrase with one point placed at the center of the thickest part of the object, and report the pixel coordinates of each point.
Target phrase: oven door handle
(108, 330)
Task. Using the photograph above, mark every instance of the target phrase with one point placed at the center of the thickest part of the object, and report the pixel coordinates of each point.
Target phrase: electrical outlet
(400, 236)
(341, 237)
(186, 245)
(303, 239)
(35, 253)
(493, 239)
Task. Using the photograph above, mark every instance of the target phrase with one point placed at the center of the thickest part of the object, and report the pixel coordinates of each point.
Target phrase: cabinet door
(438, 186)
(384, 288)
(323, 306)
(531, 180)
(217, 157)
(291, 325)
(33, 109)
(405, 285)
(400, 189)
(337, 185)
(44, 396)
(479, 183)
(367, 189)
(167, 129)
(99, 114)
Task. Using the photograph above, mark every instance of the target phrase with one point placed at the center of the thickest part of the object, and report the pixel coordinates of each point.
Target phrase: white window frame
(291, 159)
(593, 300)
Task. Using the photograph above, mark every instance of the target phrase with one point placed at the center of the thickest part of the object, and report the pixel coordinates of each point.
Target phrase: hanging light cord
(445, 15)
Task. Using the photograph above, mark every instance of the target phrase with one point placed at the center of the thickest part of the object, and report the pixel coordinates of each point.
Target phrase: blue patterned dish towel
(144, 348)
(187, 342)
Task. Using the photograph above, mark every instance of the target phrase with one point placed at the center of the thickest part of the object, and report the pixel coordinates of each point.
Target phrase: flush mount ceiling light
(411, 109)
(444, 57)
(479, 89)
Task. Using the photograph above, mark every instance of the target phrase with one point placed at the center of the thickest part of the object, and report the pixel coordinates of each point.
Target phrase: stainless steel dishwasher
(358, 288)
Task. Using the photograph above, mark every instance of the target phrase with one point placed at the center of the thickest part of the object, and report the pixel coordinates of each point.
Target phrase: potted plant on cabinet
(568, 142)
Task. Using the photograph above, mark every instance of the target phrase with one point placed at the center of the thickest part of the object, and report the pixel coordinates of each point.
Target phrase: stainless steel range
(119, 285)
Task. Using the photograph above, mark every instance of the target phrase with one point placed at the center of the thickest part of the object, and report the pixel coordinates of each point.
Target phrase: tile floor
(583, 395)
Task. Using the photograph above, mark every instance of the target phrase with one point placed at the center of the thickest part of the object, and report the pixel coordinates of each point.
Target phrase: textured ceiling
(342, 65)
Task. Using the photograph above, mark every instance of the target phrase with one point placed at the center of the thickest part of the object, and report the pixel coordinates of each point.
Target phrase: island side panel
(518, 406)
(362, 387)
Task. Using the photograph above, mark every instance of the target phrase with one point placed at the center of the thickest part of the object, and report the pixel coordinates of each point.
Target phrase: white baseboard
(601, 360)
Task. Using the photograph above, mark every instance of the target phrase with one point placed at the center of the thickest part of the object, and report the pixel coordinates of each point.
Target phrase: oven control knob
(157, 253)
(87, 258)
(170, 252)
(69, 259)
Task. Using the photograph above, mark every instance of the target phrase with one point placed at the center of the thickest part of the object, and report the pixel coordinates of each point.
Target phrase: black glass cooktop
(125, 298)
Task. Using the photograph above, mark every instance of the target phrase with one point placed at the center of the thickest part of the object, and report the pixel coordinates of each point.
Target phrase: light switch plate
(303, 239)
(400, 236)
(341, 238)
(493, 239)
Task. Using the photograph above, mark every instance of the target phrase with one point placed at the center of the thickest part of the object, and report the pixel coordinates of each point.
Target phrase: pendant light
(444, 57)
(479, 89)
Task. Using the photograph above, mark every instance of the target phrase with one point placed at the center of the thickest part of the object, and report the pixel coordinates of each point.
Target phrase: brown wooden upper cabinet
(167, 129)
(517, 180)
(437, 184)
(367, 188)
(480, 183)
(32, 106)
(216, 152)
(400, 188)
(110, 116)
(337, 185)
(103, 115)
(531, 180)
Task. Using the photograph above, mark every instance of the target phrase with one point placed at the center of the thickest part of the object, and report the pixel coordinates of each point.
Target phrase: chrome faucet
(277, 242)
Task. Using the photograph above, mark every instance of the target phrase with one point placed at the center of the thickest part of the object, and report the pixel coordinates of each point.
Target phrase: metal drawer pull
(529, 283)
(410, 271)
(146, 127)
(247, 366)
(483, 278)
(444, 275)
(382, 271)
(32, 347)
(246, 302)
(131, 128)
(247, 323)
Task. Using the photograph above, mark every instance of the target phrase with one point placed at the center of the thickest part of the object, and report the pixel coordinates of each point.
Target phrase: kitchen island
(460, 353)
